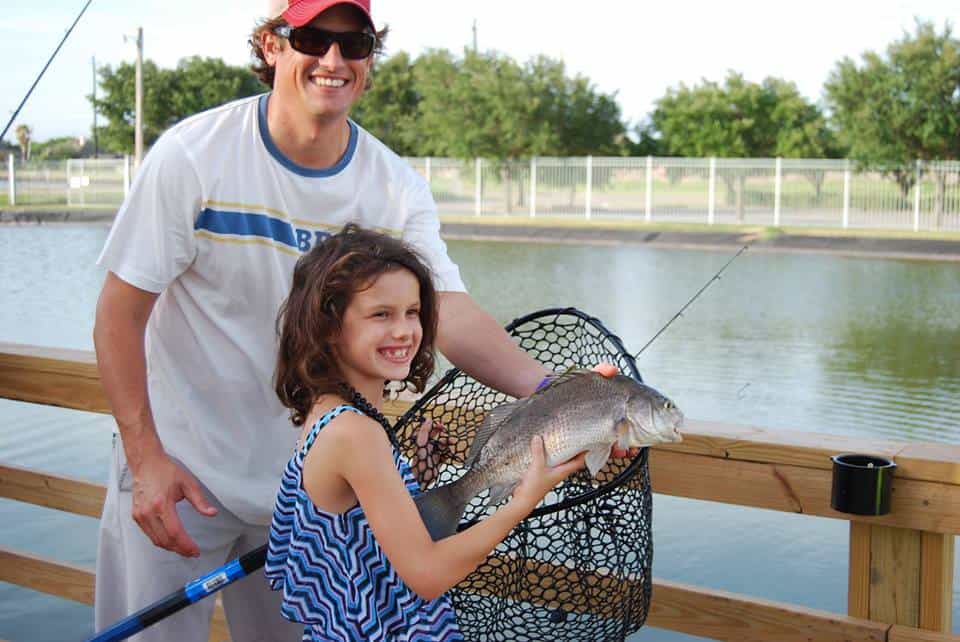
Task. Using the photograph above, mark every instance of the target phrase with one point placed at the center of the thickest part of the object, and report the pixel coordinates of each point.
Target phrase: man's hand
(610, 370)
(158, 484)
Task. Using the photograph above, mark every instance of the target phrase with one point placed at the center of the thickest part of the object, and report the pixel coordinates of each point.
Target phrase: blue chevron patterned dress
(335, 577)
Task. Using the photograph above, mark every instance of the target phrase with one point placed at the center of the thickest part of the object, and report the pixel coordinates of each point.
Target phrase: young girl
(347, 545)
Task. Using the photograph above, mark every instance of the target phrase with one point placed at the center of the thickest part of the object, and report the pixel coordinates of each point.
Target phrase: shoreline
(863, 243)
(860, 244)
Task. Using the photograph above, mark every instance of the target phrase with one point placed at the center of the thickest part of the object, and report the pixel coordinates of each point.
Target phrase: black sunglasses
(354, 45)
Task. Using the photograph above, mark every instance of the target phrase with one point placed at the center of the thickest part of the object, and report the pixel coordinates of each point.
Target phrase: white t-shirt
(215, 221)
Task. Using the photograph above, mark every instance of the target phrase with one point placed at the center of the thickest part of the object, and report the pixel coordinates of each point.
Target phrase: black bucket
(861, 484)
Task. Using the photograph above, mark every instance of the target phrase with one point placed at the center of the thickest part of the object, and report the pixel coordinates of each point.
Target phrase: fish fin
(498, 492)
(491, 423)
(441, 509)
(570, 374)
(597, 459)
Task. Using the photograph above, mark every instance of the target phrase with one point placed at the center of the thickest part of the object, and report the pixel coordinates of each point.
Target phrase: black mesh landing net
(578, 568)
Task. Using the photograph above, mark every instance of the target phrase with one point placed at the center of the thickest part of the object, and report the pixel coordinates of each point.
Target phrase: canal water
(818, 343)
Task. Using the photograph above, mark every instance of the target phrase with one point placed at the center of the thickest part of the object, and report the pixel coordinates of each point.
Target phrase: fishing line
(42, 71)
(715, 277)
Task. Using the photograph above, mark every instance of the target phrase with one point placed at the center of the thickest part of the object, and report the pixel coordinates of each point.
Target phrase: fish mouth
(673, 435)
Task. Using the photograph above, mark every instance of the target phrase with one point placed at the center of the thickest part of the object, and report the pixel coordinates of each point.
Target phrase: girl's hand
(540, 478)
(432, 448)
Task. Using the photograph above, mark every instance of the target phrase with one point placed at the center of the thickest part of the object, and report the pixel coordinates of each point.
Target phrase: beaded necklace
(360, 403)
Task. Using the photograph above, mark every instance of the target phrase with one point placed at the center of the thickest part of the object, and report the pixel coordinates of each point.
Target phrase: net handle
(639, 460)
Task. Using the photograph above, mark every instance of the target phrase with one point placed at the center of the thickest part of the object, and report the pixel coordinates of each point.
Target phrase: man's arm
(159, 483)
(474, 342)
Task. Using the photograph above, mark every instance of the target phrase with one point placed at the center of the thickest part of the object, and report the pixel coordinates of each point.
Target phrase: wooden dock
(900, 584)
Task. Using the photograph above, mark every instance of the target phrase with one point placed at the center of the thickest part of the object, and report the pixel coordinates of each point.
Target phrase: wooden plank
(925, 462)
(689, 609)
(219, 631)
(858, 583)
(934, 462)
(936, 581)
(919, 505)
(66, 378)
(901, 633)
(53, 491)
(393, 409)
(54, 578)
(85, 357)
(749, 443)
(727, 616)
(69, 378)
(894, 575)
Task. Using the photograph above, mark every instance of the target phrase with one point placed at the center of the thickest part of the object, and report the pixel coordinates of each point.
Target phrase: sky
(637, 49)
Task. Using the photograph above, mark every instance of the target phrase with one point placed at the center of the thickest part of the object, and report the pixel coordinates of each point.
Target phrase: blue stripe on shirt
(246, 224)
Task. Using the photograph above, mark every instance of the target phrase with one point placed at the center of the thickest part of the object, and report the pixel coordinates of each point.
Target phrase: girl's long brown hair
(324, 281)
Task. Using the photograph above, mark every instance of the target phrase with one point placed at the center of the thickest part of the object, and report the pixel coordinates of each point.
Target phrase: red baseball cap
(299, 12)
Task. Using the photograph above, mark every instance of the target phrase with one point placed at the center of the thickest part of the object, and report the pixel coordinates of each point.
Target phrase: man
(199, 259)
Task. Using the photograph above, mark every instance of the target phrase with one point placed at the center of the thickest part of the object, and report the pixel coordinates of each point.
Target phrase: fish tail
(442, 508)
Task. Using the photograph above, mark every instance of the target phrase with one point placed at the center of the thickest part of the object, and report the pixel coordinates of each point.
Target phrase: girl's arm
(362, 456)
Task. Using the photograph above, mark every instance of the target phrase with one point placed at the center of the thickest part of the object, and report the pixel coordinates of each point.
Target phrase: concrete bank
(860, 243)
(893, 244)
(53, 214)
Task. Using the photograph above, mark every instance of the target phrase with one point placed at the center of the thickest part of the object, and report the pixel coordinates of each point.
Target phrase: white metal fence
(75, 182)
(758, 191)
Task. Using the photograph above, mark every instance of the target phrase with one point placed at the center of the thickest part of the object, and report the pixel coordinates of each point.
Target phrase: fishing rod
(183, 597)
(43, 71)
(715, 277)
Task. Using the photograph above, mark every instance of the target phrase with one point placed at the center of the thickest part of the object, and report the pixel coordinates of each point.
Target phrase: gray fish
(579, 411)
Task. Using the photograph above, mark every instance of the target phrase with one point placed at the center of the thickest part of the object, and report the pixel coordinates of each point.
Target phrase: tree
(388, 109)
(486, 104)
(22, 133)
(169, 95)
(741, 119)
(62, 148)
(901, 107)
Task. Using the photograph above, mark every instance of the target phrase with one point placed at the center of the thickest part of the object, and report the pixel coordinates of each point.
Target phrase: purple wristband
(544, 383)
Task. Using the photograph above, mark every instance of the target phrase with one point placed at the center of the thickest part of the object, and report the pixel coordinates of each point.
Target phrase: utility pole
(96, 146)
(138, 104)
(474, 35)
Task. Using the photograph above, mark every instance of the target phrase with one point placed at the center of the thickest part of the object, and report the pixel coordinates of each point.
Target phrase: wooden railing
(901, 564)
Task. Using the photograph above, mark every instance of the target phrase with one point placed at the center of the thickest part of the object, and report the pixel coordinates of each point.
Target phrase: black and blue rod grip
(190, 593)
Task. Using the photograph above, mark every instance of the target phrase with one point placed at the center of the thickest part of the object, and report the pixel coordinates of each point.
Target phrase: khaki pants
(133, 573)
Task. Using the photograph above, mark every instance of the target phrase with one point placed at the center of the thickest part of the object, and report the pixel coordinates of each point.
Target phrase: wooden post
(936, 581)
(901, 576)
(858, 589)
